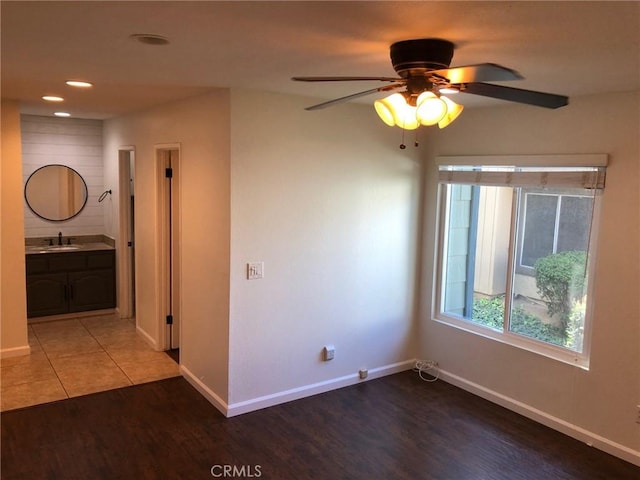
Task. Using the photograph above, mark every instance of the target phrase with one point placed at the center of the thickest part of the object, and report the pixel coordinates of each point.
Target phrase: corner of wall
(13, 299)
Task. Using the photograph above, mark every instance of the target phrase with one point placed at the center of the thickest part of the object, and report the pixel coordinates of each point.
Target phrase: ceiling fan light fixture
(430, 108)
(424, 71)
(453, 111)
(384, 111)
(406, 117)
(388, 108)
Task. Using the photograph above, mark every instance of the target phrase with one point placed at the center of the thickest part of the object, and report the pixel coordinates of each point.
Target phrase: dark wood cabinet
(46, 294)
(70, 282)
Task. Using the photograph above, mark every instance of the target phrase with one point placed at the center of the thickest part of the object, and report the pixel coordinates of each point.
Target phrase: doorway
(127, 262)
(168, 161)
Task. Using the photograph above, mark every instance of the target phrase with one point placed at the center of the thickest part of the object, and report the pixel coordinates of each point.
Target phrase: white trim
(563, 160)
(124, 252)
(148, 338)
(205, 391)
(297, 393)
(167, 292)
(539, 347)
(558, 424)
(15, 351)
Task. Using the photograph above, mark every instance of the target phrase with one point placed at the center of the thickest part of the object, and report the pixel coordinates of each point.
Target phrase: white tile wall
(76, 143)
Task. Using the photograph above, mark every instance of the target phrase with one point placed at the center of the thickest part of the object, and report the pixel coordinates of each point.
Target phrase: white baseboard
(205, 391)
(313, 389)
(288, 395)
(15, 351)
(574, 431)
(147, 338)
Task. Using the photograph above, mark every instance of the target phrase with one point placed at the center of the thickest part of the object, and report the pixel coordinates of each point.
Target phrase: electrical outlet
(328, 353)
(363, 373)
(425, 364)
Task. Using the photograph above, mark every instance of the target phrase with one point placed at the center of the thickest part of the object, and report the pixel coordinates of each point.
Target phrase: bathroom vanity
(70, 278)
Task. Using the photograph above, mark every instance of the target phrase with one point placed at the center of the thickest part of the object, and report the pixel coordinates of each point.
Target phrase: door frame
(169, 242)
(126, 260)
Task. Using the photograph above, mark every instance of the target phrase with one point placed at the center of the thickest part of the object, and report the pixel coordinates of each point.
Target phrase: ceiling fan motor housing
(410, 57)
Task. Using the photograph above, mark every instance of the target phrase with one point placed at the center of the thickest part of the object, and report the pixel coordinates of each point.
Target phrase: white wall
(327, 201)
(201, 126)
(76, 143)
(13, 299)
(598, 404)
(330, 204)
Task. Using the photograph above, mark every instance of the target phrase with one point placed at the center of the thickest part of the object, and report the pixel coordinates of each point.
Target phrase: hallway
(75, 357)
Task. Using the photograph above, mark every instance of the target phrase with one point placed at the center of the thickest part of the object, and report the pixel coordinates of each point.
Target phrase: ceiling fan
(424, 76)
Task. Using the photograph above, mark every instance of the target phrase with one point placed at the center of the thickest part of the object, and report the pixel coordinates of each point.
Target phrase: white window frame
(562, 354)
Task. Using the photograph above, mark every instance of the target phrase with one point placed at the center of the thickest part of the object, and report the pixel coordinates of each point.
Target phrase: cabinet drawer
(37, 264)
(65, 262)
(100, 260)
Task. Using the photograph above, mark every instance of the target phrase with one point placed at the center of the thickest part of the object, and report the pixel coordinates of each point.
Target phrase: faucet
(59, 238)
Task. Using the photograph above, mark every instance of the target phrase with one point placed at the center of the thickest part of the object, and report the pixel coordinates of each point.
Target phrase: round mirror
(56, 193)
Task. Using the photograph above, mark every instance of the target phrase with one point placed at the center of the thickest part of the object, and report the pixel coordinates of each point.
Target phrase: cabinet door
(47, 294)
(92, 290)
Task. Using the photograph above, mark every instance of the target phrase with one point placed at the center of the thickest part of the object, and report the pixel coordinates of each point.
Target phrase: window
(553, 222)
(514, 254)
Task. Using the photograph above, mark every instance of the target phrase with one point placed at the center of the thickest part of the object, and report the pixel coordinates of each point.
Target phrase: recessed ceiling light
(53, 98)
(77, 83)
(62, 114)
(149, 39)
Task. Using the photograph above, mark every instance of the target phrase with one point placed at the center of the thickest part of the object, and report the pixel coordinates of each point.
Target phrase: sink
(62, 248)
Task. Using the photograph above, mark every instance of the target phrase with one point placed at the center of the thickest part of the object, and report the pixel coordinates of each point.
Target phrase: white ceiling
(569, 48)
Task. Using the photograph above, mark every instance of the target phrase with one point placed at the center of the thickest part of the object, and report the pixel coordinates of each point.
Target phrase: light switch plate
(255, 270)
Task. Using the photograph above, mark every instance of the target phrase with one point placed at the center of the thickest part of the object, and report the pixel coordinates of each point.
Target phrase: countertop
(74, 247)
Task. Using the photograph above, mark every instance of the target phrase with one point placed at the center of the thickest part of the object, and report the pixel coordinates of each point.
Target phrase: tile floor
(76, 357)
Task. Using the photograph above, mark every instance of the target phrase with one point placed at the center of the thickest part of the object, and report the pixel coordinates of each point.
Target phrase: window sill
(553, 352)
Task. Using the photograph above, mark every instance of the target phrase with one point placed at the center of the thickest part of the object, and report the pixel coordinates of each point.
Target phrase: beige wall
(330, 204)
(13, 338)
(201, 126)
(328, 201)
(599, 403)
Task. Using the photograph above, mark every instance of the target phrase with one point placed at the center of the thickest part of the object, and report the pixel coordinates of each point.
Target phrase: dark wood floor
(397, 427)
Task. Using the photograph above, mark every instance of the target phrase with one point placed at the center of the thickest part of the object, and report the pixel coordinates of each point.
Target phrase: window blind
(587, 170)
(512, 176)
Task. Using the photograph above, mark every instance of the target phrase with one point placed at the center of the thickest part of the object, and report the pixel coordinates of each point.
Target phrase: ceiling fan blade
(482, 72)
(355, 95)
(343, 79)
(540, 99)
